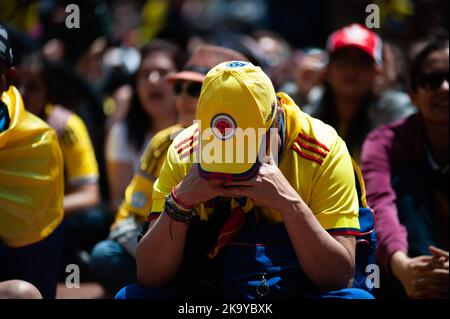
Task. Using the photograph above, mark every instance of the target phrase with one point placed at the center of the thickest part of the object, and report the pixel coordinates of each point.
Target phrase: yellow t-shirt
(314, 160)
(80, 164)
(31, 176)
(138, 195)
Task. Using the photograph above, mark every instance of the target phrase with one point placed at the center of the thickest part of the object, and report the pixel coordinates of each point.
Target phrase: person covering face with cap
(138, 195)
(205, 195)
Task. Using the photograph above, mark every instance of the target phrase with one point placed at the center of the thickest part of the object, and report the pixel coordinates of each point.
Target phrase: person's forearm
(160, 252)
(323, 259)
(81, 198)
(119, 177)
(377, 167)
(398, 264)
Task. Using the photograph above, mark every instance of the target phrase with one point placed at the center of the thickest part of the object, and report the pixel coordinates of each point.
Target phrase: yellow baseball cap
(236, 109)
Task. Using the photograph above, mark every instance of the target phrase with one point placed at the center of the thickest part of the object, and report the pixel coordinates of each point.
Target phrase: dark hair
(36, 62)
(360, 124)
(433, 44)
(137, 120)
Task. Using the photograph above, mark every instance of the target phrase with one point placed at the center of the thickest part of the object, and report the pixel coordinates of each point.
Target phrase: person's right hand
(194, 189)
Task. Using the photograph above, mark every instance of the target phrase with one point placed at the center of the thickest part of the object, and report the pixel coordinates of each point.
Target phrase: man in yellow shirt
(253, 169)
(116, 255)
(31, 188)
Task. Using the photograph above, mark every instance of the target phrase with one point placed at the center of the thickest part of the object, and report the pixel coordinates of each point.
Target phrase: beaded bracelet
(177, 213)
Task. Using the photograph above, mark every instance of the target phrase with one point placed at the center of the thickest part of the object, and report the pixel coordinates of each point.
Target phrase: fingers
(235, 192)
(239, 184)
(438, 252)
(435, 273)
(426, 263)
(431, 291)
(431, 264)
(421, 263)
(425, 283)
(194, 168)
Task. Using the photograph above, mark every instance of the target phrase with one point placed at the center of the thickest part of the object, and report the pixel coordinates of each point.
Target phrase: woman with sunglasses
(405, 166)
(112, 260)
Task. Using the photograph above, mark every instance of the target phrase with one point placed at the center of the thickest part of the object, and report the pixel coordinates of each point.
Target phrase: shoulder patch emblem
(309, 148)
(138, 200)
(187, 146)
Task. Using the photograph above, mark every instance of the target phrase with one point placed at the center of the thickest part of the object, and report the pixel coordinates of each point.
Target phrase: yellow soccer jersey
(80, 164)
(31, 176)
(314, 160)
(138, 195)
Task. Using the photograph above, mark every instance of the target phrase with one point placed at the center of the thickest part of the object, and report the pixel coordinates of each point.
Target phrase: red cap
(355, 35)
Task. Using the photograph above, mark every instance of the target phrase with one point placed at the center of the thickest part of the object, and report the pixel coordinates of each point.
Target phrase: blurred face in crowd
(32, 88)
(187, 94)
(153, 91)
(431, 96)
(278, 57)
(7, 75)
(351, 73)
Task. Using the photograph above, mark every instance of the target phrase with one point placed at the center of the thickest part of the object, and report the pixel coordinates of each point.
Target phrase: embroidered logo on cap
(223, 126)
(236, 64)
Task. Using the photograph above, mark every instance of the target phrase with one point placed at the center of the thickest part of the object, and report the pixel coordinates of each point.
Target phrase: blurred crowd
(125, 76)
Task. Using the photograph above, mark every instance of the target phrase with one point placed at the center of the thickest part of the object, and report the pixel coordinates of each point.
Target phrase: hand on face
(269, 188)
(194, 189)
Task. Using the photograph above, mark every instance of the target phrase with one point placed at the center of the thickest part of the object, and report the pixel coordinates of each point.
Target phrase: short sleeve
(79, 156)
(334, 199)
(172, 172)
(138, 195)
(138, 198)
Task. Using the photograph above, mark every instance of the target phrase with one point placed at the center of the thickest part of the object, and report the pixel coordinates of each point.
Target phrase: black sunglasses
(433, 80)
(192, 88)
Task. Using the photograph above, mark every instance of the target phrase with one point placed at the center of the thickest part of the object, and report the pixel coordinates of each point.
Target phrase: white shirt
(118, 148)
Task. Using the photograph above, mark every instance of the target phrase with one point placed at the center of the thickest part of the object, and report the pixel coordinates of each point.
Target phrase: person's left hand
(269, 188)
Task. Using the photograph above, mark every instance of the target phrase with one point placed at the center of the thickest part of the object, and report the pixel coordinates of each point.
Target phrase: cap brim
(186, 76)
(208, 171)
(230, 170)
